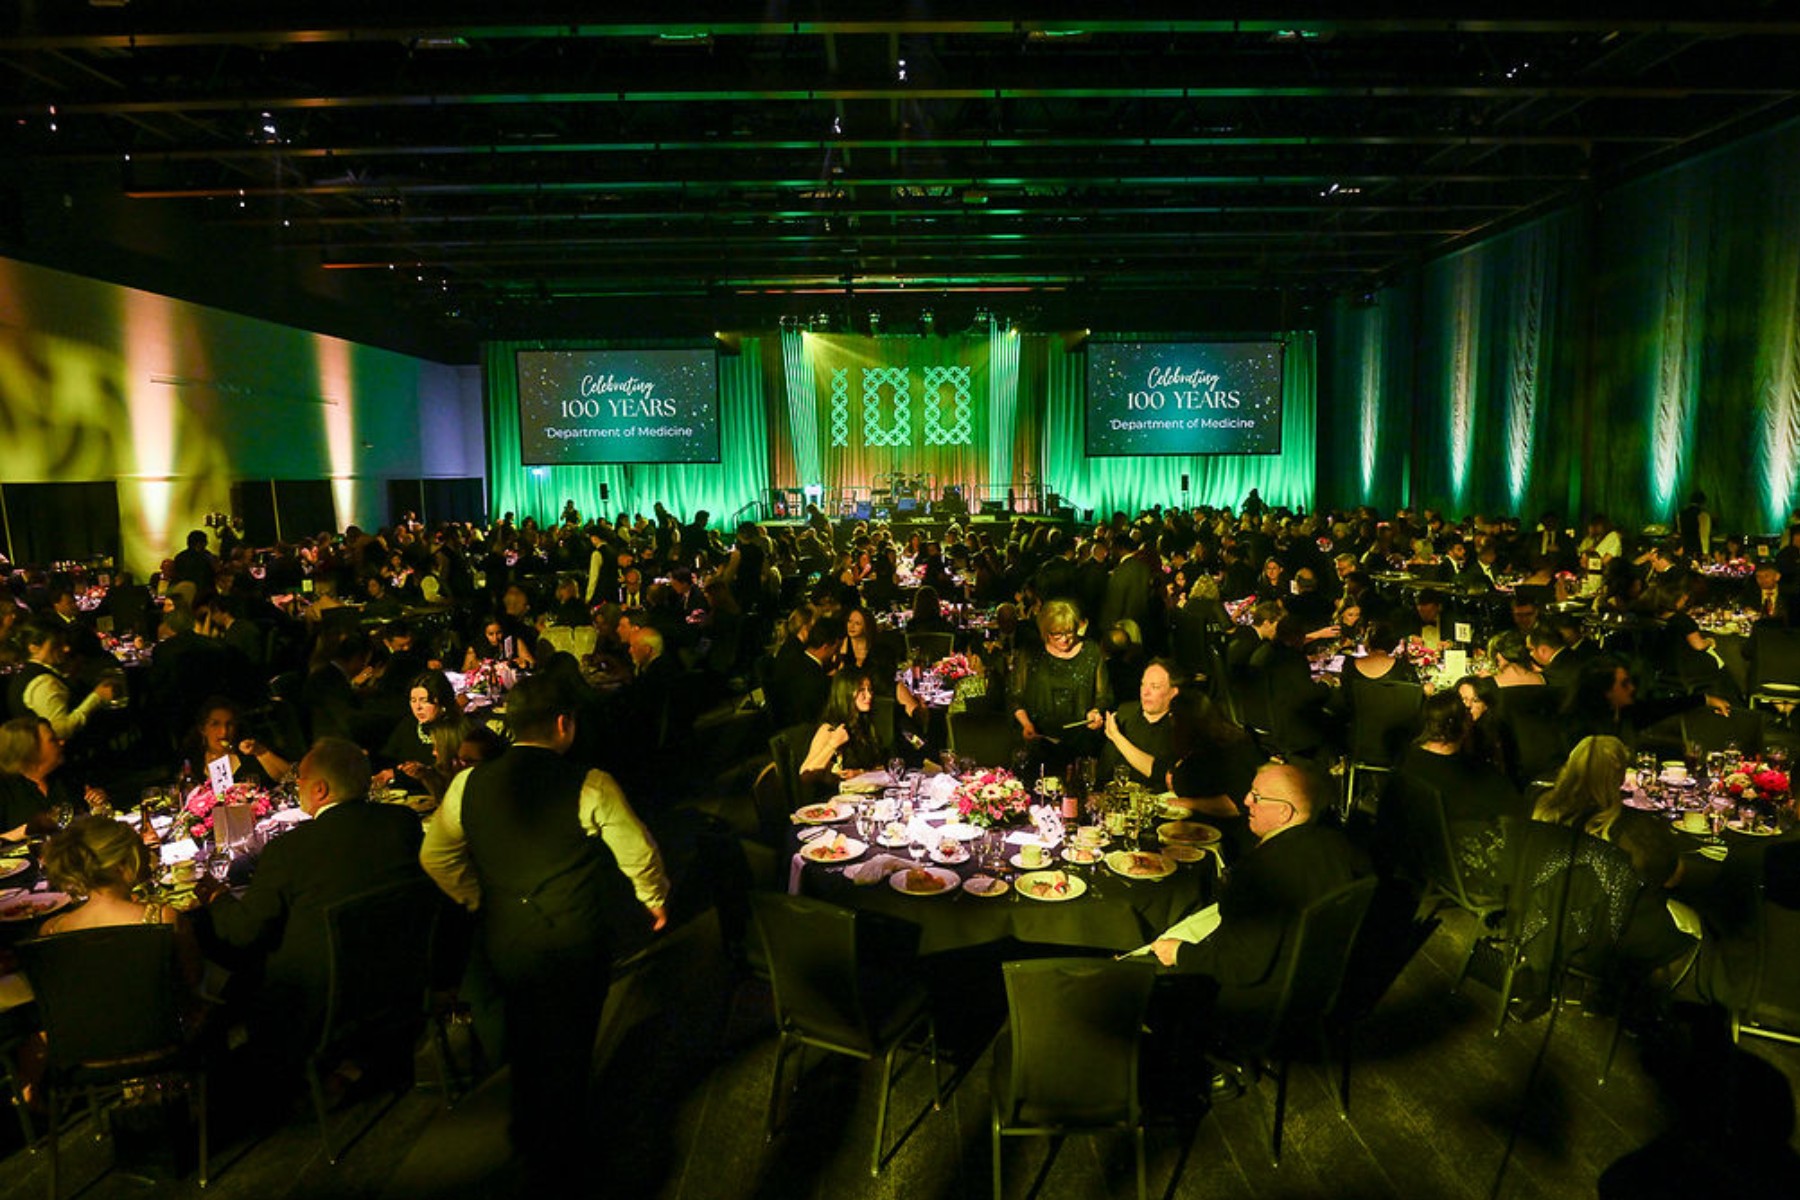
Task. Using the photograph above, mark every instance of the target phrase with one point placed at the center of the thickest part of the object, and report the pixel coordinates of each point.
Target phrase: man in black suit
(333, 705)
(1766, 594)
(1293, 863)
(799, 683)
(1560, 665)
(349, 847)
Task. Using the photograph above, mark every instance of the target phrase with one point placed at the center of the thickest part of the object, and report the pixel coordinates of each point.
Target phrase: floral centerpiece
(490, 678)
(197, 815)
(990, 798)
(1756, 781)
(1239, 610)
(1731, 568)
(1424, 657)
(954, 667)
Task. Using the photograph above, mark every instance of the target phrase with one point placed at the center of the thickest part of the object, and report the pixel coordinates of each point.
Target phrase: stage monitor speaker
(907, 505)
(993, 506)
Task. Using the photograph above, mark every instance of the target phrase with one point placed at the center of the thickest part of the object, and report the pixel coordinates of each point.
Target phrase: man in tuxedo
(1766, 595)
(799, 683)
(349, 847)
(1560, 665)
(631, 588)
(1425, 620)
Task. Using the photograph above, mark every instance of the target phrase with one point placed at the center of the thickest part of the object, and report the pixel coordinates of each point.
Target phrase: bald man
(1293, 863)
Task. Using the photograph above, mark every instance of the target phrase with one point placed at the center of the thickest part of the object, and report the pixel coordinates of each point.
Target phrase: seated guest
(216, 735)
(424, 744)
(34, 799)
(103, 862)
(1296, 703)
(847, 742)
(1425, 619)
(332, 697)
(1766, 595)
(1476, 797)
(348, 848)
(928, 613)
(1513, 664)
(800, 679)
(1238, 942)
(1146, 734)
(1588, 795)
(495, 645)
(568, 608)
(1557, 664)
(1605, 702)
(40, 688)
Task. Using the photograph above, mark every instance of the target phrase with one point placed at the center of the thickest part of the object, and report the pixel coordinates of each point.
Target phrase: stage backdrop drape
(993, 413)
(1612, 356)
(741, 476)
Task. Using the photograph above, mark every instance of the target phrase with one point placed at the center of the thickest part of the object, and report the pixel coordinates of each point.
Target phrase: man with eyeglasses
(1238, 941)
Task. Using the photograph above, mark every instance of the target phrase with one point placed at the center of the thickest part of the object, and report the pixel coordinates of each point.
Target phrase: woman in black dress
(1062, 692)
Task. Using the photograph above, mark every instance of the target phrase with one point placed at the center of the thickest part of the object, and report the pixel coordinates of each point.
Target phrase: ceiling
(485, 170)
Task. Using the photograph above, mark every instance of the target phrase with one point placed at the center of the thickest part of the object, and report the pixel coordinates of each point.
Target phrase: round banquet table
(1115, 913)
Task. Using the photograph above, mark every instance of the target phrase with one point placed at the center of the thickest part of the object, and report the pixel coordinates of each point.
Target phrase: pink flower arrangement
(1415, 651)
(953, 668)
(1756, 781)
(201, 802)
(993, 797)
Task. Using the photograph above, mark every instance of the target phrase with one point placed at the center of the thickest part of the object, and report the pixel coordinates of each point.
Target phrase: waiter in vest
(555, 863)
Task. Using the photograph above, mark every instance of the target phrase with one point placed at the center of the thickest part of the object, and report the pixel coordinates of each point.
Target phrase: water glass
(896, 770)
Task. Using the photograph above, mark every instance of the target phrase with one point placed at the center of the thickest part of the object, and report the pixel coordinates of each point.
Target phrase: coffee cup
(1674, 770)
(1089, 835)
(1694, 822)
(1034, 854)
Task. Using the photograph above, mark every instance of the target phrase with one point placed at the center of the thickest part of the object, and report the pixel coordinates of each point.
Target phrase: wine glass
(896, 770)
(218, 864)
(915, 846)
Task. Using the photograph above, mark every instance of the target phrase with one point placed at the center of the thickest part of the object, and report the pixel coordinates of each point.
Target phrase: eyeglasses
(1060, 633)
(1256, 797)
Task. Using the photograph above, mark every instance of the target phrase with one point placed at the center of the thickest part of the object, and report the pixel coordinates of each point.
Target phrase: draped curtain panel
(902, 404)
(740, 478)
(1614, 356)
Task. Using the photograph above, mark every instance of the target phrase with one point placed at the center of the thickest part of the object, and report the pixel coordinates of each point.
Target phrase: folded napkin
(875, 869)
(937, 791)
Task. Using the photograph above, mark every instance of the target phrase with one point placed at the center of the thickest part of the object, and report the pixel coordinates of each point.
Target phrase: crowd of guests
(326, 666)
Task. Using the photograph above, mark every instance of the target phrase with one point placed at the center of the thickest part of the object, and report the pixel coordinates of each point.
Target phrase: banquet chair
(787, 750)
(1312, 976)
(1774, 653)
(828, 997)
(1385, 717)
(1767, 1004)
(378, 946)
(1569, 901)
(1067, 1059)
(1535, 731)
(931, 647)
(1710, 730)
(986, 738)
(1439, 864)
(109, 1000)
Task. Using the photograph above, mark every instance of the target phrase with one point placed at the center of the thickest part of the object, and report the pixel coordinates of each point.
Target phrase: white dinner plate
(961, 831)
(986, 886)
(32, 905)
(833, 850)
(947, 881)
(1140, 864)
(1051, 886)
(821, 814)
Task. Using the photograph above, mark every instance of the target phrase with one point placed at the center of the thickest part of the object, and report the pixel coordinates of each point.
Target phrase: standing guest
(41, 689)
(194, 565)
(1063, 688)
(799, 681)
(544, 850)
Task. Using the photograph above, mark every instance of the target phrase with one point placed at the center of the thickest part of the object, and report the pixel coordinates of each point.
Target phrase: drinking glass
(915, 846)
(896, 770)
(218, 864)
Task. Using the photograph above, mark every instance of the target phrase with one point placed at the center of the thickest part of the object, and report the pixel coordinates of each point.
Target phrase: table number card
(1464, 632)
(219, 771)
(1456, 663)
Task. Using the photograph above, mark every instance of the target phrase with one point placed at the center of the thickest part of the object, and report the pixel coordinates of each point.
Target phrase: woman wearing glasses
(1062, 690)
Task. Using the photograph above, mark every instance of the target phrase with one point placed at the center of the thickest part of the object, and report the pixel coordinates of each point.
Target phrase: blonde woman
(1063, 690)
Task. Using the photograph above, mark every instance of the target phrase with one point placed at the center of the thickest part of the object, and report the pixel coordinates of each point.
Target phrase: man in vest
(551, 857)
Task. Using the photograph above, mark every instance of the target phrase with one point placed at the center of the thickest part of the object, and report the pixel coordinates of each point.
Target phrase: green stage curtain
(740, 478)
(1612, 356)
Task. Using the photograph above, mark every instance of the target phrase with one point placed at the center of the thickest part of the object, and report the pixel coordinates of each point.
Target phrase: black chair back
(1385, 718)
(930, 646)
(380, 958)
(109, 1000)
(787, 750)
(1075, 1025)
(1775, 652)
(1535, 731)
(1711, 730)
(1313, 972)
(810, 948)
(986, 738)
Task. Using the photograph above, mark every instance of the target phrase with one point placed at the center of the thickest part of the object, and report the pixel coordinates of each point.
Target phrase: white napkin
(876, 869)
(937, 791)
